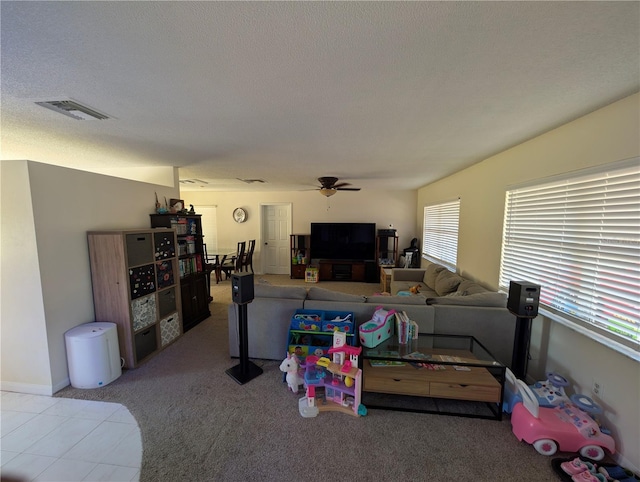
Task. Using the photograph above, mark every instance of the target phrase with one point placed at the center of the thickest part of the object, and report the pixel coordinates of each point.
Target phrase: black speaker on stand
(523, 302)
(242, 294)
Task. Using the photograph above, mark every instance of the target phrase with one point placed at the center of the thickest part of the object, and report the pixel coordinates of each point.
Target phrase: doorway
(276, 228)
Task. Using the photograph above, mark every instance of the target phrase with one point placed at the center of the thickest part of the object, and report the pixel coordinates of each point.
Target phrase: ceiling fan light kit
(327, 192)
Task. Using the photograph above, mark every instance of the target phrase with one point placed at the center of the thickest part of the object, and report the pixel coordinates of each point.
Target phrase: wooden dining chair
(234, 263)
(247, 261)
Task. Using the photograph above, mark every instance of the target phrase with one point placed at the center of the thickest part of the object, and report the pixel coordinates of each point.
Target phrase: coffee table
(446, 374)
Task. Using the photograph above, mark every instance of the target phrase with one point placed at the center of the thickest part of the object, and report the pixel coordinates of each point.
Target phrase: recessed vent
(251, 181)
(193, 181)
(73, 109)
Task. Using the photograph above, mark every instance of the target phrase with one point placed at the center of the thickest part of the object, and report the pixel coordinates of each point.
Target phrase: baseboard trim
(27, 388)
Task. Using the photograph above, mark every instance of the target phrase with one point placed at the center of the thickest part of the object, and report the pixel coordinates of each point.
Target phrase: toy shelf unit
(194, 285)
(135, 285)
(311, 331)
(300, 255)
(387, 248)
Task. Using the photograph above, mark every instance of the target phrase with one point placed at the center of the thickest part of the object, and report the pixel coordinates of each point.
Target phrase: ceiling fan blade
(346, 188)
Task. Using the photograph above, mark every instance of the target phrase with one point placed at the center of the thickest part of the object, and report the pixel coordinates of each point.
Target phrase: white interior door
(276, 227)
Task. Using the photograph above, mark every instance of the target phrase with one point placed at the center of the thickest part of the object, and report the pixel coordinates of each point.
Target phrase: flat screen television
(343, 241)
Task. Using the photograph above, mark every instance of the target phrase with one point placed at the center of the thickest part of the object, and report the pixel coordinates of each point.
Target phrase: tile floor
(59, 439)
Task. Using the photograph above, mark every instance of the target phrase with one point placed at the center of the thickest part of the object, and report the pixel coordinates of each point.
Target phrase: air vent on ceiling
(193, 181)
(73, 109)
(251, 181)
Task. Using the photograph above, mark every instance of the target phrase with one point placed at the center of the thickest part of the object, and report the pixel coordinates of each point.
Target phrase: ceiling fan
(328, 186)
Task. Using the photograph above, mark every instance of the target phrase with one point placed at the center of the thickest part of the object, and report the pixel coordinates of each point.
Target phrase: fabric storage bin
(139, 249)
(143, 311)
(166, 302)
(142, 280)
(164, 245)
(307, 320)
(146, 343)
(169, 329)
(343, 321)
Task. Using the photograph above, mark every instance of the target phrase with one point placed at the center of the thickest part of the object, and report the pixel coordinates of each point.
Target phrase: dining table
(217, 259)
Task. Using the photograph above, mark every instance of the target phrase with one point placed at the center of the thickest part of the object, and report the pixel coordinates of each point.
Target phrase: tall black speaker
(523, 301)
(524, 298)
(241, 295)
(242, 288)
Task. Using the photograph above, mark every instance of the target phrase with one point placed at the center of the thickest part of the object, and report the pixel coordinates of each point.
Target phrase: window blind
(440, 236)
(579, 239)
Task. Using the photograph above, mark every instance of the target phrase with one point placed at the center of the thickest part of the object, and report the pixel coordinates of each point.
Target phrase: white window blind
(579, 239)
(440, 237)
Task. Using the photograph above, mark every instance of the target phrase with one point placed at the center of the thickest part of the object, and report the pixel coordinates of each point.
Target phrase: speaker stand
(246, 370)
(521, 341)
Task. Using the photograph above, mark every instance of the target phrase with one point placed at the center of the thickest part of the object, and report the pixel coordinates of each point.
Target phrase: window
(579, 239)
(209, 222)
(440, 237)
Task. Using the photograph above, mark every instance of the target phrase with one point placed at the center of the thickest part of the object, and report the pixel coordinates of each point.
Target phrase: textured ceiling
(380, 94)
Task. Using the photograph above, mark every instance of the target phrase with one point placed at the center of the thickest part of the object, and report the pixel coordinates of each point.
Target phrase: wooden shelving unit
(135, 285)
(300, 252)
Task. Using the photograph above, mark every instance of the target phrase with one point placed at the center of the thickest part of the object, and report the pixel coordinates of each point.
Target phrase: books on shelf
(406, 328)
(190, 266)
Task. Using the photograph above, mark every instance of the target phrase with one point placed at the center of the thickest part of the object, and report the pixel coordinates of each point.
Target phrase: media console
(347, 270)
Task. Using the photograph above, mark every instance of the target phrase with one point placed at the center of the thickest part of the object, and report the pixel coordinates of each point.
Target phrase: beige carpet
(198, 424)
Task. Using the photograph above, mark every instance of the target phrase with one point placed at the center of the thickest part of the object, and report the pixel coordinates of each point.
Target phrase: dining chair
(247, 261)
(234, 263)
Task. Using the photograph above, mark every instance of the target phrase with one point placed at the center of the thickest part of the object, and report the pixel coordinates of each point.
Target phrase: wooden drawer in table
(476, 385)
(478, 393)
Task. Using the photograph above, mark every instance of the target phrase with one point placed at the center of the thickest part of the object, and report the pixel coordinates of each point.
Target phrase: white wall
(46, 280)
(23, 333)
(608, 135)
(380, 207)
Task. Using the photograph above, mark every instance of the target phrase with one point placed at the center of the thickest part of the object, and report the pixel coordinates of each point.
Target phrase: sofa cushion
(447, 282)
(399, 300)
(488, 298)
(286, 292)
(322, 294)
(471, 287)
(431, 273)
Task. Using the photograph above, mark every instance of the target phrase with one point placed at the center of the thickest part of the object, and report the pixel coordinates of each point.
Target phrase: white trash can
(93, 355)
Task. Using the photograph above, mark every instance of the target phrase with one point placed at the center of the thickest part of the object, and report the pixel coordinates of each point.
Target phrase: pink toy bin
(378, 329)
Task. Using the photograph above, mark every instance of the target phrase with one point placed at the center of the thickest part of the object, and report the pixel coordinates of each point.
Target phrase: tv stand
(341, 270)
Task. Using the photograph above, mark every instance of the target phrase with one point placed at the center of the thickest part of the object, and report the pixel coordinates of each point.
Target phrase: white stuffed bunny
(291, 366)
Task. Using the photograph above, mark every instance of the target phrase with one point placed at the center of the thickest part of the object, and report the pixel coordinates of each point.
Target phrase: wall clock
(239, 215)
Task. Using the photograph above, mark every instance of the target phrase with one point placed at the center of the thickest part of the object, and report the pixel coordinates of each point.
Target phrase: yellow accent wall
(607, 135)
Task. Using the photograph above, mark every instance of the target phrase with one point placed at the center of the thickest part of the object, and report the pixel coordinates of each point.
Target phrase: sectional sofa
(451, 305)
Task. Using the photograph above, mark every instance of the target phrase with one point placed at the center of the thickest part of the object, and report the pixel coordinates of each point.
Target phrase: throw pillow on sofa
(431, 273)
(471, 287)
(447, 282)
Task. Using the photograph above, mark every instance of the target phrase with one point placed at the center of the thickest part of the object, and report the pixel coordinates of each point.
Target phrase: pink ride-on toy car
(567, 427)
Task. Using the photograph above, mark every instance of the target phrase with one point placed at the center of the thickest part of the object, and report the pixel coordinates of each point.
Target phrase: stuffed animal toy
(290, 366)
(415, 289)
